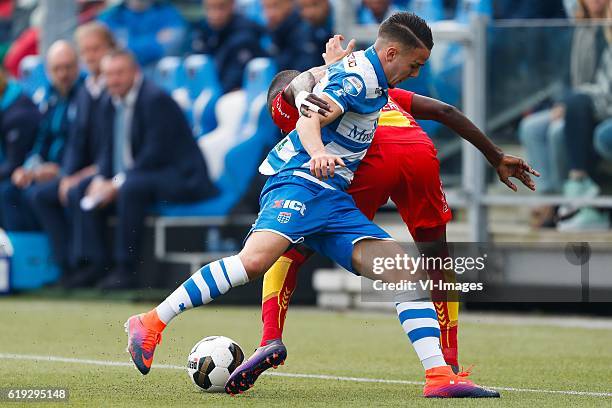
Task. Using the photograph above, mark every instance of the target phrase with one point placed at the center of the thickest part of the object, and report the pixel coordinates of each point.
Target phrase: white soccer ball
(211, 362)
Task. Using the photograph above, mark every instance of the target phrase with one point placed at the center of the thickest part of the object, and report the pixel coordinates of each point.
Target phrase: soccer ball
(211, 362)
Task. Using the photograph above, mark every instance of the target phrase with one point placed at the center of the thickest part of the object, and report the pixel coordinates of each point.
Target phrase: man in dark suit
(42, 164)
(85, 143)
(230, 38)
(19, 120)
(151, 157)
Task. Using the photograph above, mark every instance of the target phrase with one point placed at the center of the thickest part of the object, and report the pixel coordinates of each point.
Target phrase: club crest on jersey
(352, 86)
(290, 205)
(283, 217)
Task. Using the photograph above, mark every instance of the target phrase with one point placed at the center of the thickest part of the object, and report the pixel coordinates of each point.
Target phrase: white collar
(130, 99)
(95, 86)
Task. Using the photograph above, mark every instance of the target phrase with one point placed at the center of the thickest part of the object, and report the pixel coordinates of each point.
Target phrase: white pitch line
(56, 359)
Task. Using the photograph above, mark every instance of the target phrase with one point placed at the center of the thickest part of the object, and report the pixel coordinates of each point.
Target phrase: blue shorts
(326, 220)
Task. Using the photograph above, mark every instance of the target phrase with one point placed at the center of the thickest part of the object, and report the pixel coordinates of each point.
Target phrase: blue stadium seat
(169, 73)
(204, 89)
(430, 10)
(31, 261)
(32, 76)
(465, 8)
(258, 135)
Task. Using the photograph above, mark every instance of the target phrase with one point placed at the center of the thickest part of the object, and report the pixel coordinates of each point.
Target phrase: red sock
(278, 286)
(445, 302)
(448, 342)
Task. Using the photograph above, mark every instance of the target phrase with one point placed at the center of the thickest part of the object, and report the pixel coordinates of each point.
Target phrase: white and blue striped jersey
(358, 85)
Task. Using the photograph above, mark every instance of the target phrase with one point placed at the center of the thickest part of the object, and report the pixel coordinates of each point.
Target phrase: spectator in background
(43, 163)
(285, 28)
(528, 9)
(150, 157)
(19, 120)
(375, 11)
(27, 41)
(49, 200)
(542, 133)
(230, 38)
(318, 28)
(589, 104)
(150, 29)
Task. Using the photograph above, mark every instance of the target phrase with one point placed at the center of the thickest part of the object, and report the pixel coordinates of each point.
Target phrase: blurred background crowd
(124, 109)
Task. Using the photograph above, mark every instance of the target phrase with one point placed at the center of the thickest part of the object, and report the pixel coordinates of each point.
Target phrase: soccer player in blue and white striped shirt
(305, 201)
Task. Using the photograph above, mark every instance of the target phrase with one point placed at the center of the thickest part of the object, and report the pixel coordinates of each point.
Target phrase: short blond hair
(96, 28)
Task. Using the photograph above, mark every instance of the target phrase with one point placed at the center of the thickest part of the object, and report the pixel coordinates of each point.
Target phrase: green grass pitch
(364, 345)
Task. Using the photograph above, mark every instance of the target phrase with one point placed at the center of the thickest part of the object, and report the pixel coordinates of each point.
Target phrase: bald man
(50, 199)
(42, 164)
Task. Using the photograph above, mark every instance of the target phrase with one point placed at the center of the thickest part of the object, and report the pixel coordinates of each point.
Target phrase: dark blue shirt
(522, 9)
(19, 121)
(285, 45)
(232, 47)
(59, 115)
(314, 40)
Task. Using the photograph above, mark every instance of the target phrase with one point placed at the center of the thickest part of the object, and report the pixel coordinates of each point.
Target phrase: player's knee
(357, 259)
(255, 265)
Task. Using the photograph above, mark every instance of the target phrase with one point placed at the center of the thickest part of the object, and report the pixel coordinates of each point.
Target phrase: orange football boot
(141, 343)
(442, 382)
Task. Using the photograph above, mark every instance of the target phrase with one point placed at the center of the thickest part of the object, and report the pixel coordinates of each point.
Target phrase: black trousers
(15, 209)
(139, 192)
(53, 217)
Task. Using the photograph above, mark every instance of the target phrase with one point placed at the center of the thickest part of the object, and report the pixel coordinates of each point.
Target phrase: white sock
(211, 281)
(420, 322)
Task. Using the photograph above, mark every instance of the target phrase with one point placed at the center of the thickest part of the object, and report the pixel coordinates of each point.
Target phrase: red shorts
(409, 174)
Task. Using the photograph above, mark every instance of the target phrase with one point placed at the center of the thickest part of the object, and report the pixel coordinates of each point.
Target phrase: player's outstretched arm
(506, 165)
(322, 163)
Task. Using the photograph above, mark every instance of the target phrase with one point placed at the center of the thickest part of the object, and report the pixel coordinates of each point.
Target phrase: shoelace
(465, 372)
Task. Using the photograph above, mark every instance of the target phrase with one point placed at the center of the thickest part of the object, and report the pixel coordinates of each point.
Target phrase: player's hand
(334, 51)
(309, 102)
(511, 166)
(323, 165)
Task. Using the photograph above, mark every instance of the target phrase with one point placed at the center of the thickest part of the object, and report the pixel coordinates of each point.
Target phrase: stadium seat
(217, 143)
(169, 73)
(203, 88)
(257, 135)
(30, 260)
(32, 76)
(430, 10)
